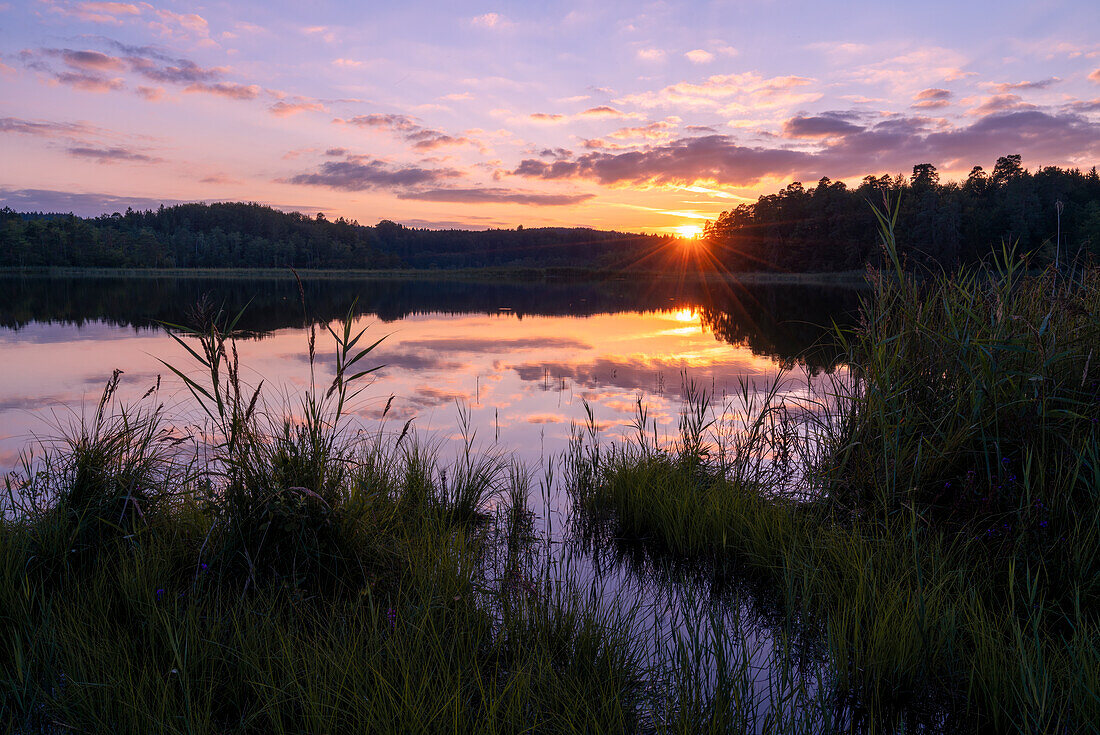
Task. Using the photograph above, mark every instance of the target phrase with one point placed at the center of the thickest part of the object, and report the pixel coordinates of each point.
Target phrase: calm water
(519, 357)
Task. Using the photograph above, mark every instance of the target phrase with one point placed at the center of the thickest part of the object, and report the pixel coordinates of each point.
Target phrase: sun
(689, 232)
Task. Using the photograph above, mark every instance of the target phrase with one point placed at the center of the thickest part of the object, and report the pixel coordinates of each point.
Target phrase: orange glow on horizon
(689, 232)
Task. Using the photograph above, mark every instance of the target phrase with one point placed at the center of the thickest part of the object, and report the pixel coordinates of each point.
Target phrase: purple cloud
(111, 155)
(495, 195)
(821, 126)
(892, 144)
(360, 173)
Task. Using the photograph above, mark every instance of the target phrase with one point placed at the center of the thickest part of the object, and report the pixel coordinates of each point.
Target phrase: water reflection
(521, 355)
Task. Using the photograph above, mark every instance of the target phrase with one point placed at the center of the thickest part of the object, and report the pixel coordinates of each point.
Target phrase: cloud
(361, 173)
(1025, 85)
(90, 60)
(891, 144)
(172, 24)
(729, 93)
(1082, 106)
(1095, 76)
(348, 63)
(660, 130)
(420, 138)
(684, 161)
(232, 90)
(88, 82)
(820, 126)
(151, 94)
(699, 56)
(285, 109)
(46, 128)
(111, 155)
(1001, 103)
(379, 120)
(932, 98)
(604, 111)
(495, 195)
(176, 71)
(102, 12)
(490, 20)
(87, 70)
(651, 54)
(920, 67)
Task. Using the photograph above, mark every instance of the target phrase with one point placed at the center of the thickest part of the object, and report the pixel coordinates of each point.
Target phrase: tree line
(832, 227)
(249, 235)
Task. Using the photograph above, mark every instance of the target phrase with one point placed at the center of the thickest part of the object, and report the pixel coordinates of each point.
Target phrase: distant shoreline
(852, 279)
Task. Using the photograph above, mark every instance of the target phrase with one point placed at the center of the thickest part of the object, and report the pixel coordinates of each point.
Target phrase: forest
(825, 227)
(832, 227)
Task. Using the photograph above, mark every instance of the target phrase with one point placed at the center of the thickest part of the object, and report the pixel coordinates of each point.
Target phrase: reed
(944, 543)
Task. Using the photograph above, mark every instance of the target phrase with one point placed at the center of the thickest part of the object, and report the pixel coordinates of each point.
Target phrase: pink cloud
(491, 20)
(285, 109)
(820, 127)
(932, 98)
(151, 94)
(1004, 87)
(728, 93)
(172, 24)
(604, 111)
(103, 12)
(226, 89)
(91, 60)
(88, 82)
(699, 56)
(1001, 103)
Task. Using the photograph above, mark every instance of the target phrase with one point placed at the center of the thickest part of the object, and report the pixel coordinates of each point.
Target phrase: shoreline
(851, 279)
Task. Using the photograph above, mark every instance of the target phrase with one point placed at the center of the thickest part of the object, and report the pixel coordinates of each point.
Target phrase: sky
(639, 116)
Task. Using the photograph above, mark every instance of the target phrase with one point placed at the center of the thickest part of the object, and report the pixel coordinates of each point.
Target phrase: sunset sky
(626, 115)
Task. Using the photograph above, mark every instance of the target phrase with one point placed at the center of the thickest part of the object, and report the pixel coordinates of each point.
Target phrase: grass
(277, 572)
(944, 549)
(282, 575)
(912, 547)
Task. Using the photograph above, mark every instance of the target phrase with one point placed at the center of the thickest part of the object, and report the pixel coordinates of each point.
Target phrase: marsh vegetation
(909, 544)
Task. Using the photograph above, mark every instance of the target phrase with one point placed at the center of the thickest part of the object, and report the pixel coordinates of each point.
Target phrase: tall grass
(944, 550)
(286, 575)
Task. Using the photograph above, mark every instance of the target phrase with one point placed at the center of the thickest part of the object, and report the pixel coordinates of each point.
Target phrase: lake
(516, 358)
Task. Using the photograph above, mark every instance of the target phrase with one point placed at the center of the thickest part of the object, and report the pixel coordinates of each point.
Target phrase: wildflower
(391, 616)
(160, 594)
